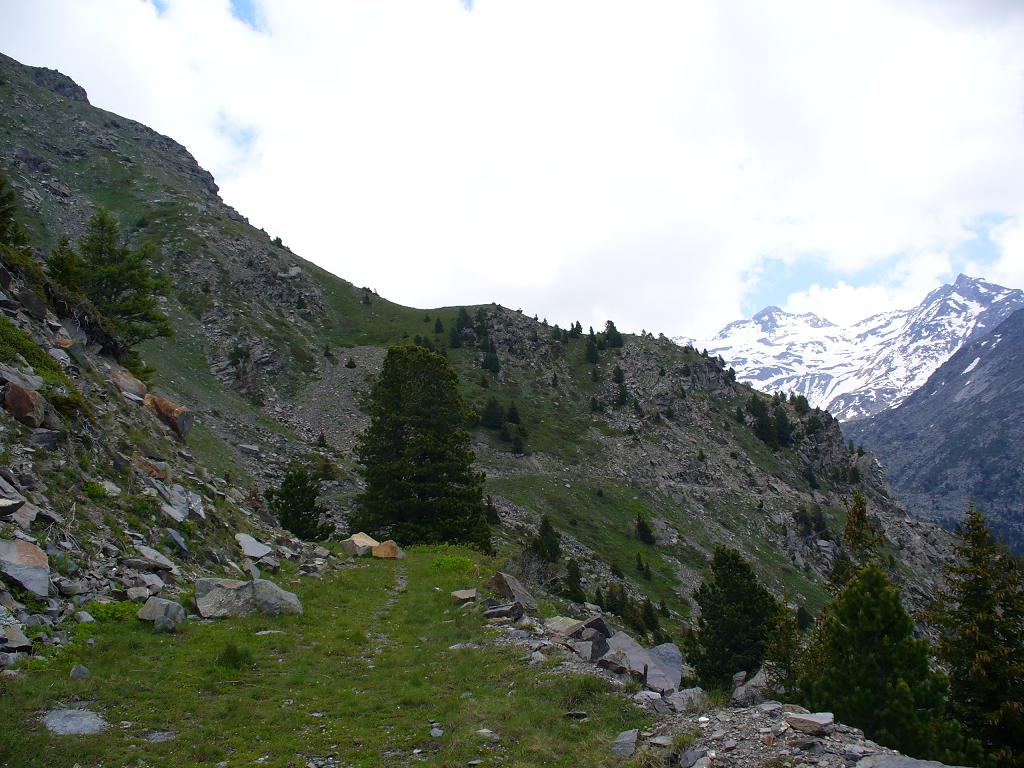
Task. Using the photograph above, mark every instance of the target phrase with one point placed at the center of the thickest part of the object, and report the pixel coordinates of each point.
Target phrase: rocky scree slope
(271, 352)
(960, 437)
(871, 366)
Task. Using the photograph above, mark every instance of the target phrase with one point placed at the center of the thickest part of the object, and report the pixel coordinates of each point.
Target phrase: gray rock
(670, 659)
(138, 594)
(84, 617)
(511, 611)
(436, 733)
(625, 743)
(27, 564)
(359, 545)
(252, 548)
(560, 625)
(690, 757)
(176, 540)
(687, 700)
(165, 625)
(13, 639)
(74, 722)
(10, 500)
(898, 761)
(583, 649)
(627, 654)
(464, 595)
(512, 589)
(78, 672)
(813, 723)
(751, 692)
(217, 598)
(157, 608)
(45, 438)
(158, 737)
(155, 560)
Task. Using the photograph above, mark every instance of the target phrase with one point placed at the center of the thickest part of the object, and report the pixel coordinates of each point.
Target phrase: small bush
(234, 657)
(111, 611)
(94, 491)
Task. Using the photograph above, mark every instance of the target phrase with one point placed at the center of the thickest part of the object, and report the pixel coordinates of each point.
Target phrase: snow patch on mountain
(868, 367)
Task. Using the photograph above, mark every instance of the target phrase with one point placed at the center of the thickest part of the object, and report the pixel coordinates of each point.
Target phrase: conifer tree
(643, 530)
(294, 503)
(618, 376)
(416, 457)
(621, 395)
(573, 586)
(736, 616)
(547, 544)
(454, 338)
(612, 337)
(590, 351)
(649, 616)
(865, 665)
(980, 617)
(117, 280)
(512, 415)
(11, 232)
(438, 326)
(493, 415)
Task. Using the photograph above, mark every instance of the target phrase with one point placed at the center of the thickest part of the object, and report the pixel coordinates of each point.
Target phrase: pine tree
(493, 415)
(117, 280)
(595, 405)
(512, 415)
(649, 616)
(621, 395)
(294, 504)
(573, 586)
(590, 352)
(612, 337)
(865, 665)
(416, 457)
(11, 232)
(643, 530)
(547, 543)
(454, 338)
(438, 326)
(736, 616)
(639, 563)
(980, 617)
(618, 376)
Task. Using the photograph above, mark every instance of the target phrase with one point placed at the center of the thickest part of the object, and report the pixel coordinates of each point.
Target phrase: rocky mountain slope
(868, 367)
(272, 352)
(960, 437)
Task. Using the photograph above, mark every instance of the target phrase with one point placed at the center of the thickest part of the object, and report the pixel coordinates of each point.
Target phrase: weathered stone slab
(74, 722)
(638, 662)
(217, 598)
(464, 595)
(157, 607)
(814, 723)
(26, 564)
(625, 743)
(155, 560)
(251, 547)
(670, 659)
(512, 589)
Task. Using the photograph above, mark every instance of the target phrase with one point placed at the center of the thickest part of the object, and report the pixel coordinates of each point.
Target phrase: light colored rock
(687, 700)
(84, 617)
(138, 594)
(464, 595)
(814, 723)
(560, 626)
(512, 589)
(12, 639)
(626, 652)
(670, 659)
(74, 722)
(388, 550)
(359, 544)
(158, 607)
(27, 564)
(273, 600)
(251, 547)
(155, 560)
(128, 383)
(625, 743)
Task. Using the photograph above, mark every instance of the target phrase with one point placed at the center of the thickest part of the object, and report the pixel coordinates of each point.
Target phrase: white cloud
(577, 158)
(903, 286)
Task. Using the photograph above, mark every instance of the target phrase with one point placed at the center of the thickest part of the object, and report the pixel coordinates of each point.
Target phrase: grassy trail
(359, 676)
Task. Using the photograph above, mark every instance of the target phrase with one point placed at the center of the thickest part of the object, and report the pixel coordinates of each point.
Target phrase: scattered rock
(625, 743)
(84, 617)
(164, 625)
(813, 723)
(79, 672)
(128, 383)
(510, 587)
(512, 611)
(359, 544)
(27, 564)
(74, 722)
(388, 550)
(159, 608)
(26, 405)
(464, 595)
(12, 639)
(251, 547)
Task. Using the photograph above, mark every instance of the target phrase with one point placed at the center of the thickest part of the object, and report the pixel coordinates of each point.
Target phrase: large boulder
(26, 405)
(359, 544)
(388, 550)
(511, 588)
(157, 608)
(10, 500)
(813, 723)
(626, 655)
(753, 691)
(898, 761)
(26, 564)
(177, 417)
(670, 659)
(128, 383)
(154, 561)
(74, 722)
(217, 598)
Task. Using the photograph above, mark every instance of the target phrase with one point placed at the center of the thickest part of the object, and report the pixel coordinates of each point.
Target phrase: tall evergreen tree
(294, 503)
(493, 415)
(11, 232)
(737, 615)
(980, 617)
(416, 457)
(617, 375)
(612, 337)
(116, 279)
(573, 585)
(590, 352)
(643, 530)
(865, 665)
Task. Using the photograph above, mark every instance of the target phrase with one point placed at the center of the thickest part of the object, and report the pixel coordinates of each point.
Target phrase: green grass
(353, 676)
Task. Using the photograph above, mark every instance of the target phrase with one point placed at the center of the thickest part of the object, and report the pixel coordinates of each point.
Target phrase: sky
(672, 166)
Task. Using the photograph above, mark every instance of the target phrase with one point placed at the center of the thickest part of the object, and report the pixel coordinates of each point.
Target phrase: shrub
(234, 657)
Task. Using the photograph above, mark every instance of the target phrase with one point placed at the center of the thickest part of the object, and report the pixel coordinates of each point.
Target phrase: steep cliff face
(959, 438)
(271, 352)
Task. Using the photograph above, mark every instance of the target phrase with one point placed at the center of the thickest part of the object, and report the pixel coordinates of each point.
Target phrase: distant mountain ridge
(871, 366)
(960, 437)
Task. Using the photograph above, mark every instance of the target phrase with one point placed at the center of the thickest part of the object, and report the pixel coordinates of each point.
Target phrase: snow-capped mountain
(867, 367)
